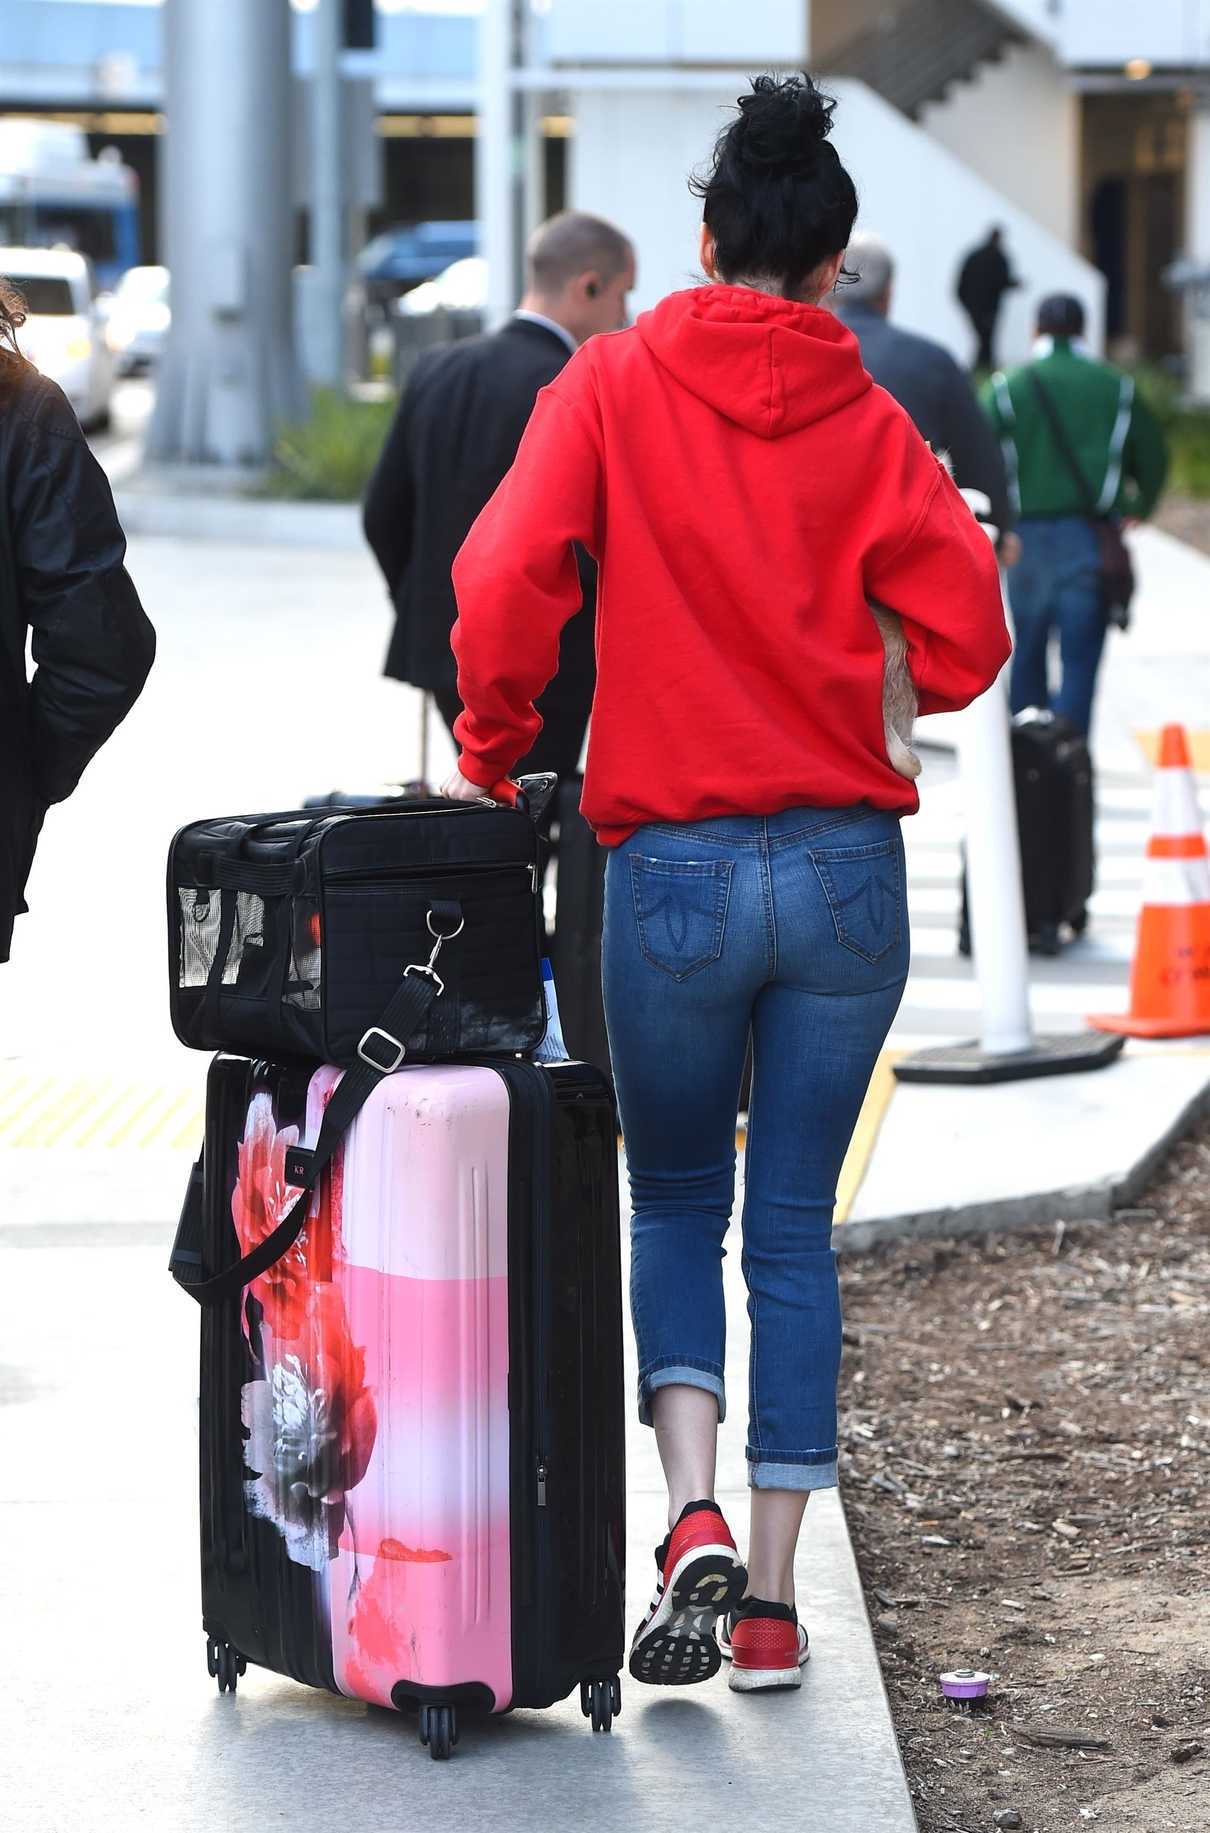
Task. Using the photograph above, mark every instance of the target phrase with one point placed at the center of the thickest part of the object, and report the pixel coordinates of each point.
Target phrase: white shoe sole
(761, 1680)
(677, 1647)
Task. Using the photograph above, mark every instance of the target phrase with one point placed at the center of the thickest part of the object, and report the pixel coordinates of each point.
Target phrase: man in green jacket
(1116, 442)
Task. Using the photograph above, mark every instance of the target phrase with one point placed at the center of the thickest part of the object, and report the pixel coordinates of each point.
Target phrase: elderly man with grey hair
(925, 380)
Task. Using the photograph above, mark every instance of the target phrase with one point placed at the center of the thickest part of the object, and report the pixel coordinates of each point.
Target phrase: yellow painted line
(73, 1096)
(132, 1120)
(166, 1118)
(1199, 747)
(72, 1113)
(14, 1117)
(191, 1134)
(67, 1114)
(865, 1133)
(111, 1107)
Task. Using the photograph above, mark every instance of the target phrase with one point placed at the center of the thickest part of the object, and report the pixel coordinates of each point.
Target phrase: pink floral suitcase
(411, 1424)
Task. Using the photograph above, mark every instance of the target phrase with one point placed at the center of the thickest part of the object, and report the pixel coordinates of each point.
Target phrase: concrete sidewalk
(111, 1720)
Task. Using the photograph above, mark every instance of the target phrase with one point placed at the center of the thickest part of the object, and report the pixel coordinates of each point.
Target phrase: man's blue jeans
(793, 926)
(1056, 586)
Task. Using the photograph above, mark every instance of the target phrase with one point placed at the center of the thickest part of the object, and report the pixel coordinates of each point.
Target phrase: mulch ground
(1026, 1462)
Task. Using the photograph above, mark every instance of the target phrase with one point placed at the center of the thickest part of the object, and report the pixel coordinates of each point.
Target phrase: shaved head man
(456, 434)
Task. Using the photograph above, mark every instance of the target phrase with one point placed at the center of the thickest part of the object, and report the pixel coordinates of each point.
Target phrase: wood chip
(1060, 1737)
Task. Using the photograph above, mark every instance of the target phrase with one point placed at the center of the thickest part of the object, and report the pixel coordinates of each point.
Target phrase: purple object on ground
(965, 1684)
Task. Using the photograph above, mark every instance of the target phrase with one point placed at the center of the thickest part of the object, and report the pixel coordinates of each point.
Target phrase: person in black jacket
(454, 437)
(982, 283)
(62, 582)
(926, 381)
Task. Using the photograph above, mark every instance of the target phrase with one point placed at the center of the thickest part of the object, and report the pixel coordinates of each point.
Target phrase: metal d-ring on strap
(427, 972)
(430, 967)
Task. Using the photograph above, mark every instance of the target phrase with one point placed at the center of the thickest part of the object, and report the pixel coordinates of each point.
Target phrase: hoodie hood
(770, 365)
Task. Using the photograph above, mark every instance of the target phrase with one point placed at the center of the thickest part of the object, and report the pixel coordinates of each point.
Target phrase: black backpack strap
(380, 1052)
(1062, 439)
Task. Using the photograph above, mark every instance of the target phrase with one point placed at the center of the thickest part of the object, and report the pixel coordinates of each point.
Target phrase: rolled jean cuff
(782, 1470)
(670, 1373)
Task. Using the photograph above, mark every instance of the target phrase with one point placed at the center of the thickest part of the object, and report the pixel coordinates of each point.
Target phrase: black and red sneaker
(700, 1579)
(766, 1645)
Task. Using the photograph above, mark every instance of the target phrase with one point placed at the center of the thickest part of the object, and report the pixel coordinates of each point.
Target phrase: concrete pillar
(496, 157)
(229, 374)
(1197, 248)
(327, 252)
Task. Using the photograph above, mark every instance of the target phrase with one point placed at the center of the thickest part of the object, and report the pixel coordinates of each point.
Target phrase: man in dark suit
(456, 434)
(926, 381)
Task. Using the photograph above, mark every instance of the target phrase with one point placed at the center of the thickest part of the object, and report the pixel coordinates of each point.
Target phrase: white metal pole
(494, 153)
(996, 905)
(327, 194)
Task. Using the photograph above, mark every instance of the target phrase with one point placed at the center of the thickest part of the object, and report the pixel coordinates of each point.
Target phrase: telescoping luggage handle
(381, 1051)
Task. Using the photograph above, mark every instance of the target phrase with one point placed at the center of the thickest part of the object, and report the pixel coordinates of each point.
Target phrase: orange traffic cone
(1170, 978)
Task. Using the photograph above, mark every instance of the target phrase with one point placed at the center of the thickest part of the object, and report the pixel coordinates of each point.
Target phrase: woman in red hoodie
(747, 493)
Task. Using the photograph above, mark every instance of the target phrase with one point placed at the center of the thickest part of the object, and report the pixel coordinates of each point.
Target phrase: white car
(136, 328)
(63, 334)
(461, 287)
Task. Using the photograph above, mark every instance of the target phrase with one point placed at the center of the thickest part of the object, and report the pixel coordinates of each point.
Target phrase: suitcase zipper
(542, 1482)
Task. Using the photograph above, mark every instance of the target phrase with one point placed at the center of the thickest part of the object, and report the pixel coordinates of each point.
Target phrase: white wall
(932, 208)
(1042, 18)
(630, 159)
(1099, 32)
(633, 149)
(1016, 124)
(676, 31)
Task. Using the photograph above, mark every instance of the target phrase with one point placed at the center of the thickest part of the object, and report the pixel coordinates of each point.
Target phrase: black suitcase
(412, 1456)
(1053, 784)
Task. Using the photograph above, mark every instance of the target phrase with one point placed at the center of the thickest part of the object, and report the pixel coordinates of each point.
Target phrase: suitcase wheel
(601, 1701)
(225, 1664)
(439, 1730)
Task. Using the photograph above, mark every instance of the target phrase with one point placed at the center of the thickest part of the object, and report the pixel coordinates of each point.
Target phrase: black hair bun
(783, 124)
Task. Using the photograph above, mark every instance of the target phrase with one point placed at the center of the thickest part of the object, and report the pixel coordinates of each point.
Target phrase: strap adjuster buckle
(399, 1050)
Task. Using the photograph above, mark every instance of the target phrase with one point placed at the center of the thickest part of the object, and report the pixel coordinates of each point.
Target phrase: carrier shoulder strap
(1094, 507)
(379, 1054)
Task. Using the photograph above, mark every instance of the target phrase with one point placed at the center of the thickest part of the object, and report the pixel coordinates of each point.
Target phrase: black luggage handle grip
(270, 879)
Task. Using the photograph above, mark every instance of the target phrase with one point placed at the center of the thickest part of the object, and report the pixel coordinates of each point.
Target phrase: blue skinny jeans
(1055, 586)
(792, 927)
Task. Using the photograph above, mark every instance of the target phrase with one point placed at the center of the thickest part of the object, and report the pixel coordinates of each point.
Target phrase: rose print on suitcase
(309, 1416)
(377, 1437)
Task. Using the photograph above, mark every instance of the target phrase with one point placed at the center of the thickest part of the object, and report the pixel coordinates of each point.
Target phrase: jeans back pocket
(864, 889)
(681, 910)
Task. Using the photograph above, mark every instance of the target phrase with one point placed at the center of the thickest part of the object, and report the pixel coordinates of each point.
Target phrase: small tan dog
(899, 703)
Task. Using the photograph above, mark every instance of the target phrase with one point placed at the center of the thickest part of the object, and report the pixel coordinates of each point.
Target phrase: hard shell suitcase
(412, 1460)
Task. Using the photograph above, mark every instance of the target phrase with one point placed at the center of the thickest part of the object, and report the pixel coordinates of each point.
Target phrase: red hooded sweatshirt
(745, 490)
